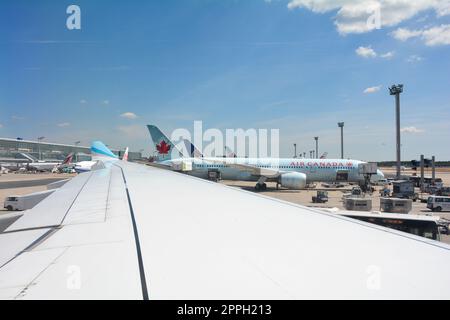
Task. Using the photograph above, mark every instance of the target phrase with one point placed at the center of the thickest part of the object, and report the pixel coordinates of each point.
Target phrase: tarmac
(25, 183)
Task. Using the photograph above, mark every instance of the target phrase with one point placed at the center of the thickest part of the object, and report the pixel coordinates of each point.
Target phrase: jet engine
(293, 180)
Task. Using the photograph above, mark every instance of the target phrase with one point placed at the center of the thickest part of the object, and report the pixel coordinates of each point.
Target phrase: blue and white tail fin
(193, 151)
(101, 152)
(164, 148)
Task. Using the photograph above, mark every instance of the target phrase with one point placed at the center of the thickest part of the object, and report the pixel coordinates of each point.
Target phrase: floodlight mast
(341, 125)
(317, 146)
(395, 90)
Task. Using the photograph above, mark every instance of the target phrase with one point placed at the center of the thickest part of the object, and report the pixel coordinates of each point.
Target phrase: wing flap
(13, 243)
(91, 204)
(20, 275)
(102, 270)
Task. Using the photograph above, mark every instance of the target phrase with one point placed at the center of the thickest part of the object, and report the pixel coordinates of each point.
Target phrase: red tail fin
(125, 155)
(68, 159)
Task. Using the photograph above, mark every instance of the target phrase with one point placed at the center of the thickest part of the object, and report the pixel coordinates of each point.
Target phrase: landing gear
(261, 187)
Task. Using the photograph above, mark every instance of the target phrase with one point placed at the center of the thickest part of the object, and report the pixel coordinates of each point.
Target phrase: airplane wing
(129, 231)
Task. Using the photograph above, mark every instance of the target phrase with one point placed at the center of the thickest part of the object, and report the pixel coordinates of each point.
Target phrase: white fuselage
(84, 166)
(43, 166)
(316, 170)
(11, 166)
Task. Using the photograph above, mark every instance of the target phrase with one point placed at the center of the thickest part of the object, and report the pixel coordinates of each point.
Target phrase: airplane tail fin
(163, 146)
(101, 152)
(230, 153)
(193, 151)
(68, 159)
(125, 155)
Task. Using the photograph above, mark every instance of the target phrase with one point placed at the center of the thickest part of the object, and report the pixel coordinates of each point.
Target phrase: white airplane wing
(129, 231)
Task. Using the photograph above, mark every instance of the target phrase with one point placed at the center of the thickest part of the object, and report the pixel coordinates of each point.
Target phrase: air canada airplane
(129, 231)
(293, 173)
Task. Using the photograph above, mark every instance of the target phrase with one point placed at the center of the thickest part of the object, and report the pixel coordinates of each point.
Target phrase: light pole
(295, 150)
(76, 143)
(395, 90)
(317, 146)
(39, 146)
(341, 125)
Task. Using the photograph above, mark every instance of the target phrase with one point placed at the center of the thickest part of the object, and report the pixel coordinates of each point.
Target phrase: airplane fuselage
(43, 166)
(316, 170)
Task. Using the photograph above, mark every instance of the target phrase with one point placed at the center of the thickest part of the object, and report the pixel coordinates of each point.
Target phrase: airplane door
(342, 176)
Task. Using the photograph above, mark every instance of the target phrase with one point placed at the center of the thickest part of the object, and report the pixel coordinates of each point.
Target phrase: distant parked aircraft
(41, 165)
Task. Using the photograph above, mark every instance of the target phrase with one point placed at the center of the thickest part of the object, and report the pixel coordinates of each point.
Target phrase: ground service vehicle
(321, 197)
(438, 203)
(25, 202)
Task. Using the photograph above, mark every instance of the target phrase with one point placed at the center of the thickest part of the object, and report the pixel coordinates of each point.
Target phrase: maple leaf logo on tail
(163, 147)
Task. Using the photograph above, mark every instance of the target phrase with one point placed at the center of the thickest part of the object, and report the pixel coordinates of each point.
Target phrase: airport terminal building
(15, 148)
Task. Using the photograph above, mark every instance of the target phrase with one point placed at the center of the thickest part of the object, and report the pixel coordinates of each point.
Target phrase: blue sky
(292, 65)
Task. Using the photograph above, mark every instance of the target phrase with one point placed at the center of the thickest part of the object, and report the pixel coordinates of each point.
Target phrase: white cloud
(17, 118)
(63, 124)
(411, 130)
(82, 101)
(414, 58)
(437, 36)
(129, 115)
(1, 126)
(106, 102)
(366, 52)
(357, 16)
(387, 55)
(433, 36)
(372, 89)
(404, 34)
